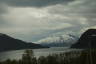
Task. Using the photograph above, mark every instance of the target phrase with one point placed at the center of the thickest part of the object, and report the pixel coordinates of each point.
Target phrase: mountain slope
(87, 40)
(54, 44)
(9, 43)
(59, 41)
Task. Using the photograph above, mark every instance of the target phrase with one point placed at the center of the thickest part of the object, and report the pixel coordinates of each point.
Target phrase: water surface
(17, 54)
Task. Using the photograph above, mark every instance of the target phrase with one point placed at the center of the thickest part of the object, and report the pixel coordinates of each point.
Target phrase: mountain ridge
(87, 40)
(9, 43)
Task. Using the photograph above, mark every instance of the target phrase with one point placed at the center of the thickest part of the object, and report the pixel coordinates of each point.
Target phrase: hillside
(8, 43)
(87, 40)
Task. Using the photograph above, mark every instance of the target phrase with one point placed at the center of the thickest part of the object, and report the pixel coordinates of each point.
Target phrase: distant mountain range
(54, 44)
(8, 43)
(87, 40)
(60, 42)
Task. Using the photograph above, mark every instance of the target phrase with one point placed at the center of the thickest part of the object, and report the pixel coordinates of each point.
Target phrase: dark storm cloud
(35, 3)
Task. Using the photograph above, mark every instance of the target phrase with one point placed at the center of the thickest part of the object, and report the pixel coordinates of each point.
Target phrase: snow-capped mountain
(60, 41)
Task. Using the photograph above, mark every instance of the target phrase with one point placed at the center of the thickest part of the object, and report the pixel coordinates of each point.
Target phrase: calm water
(17, 54)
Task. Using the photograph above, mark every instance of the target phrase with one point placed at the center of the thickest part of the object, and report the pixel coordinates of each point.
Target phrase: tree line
(73, 57)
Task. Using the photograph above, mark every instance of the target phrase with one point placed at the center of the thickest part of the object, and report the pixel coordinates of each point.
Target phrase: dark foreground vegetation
(73, 57)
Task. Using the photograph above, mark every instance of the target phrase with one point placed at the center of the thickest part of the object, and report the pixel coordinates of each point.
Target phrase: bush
(80, 57)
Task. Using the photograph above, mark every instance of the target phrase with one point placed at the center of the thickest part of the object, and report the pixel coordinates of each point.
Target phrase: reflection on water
(17, 54)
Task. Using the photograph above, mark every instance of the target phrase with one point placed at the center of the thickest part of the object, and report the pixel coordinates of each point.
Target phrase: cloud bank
(36, 20)
(33, 3)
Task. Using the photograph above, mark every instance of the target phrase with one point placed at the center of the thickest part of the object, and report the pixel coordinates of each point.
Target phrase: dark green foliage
(73, 57)
(28, 57)
(42, 60)
(14, 62)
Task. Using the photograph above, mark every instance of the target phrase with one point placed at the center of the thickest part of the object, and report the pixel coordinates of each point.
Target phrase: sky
(45, 20)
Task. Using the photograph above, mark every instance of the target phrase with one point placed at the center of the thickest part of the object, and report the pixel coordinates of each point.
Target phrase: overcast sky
(39, 20)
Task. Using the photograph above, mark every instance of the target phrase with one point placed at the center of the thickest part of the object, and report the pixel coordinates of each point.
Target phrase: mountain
(8, 43)
(87, 40)
(59, 42)
(54, 44)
